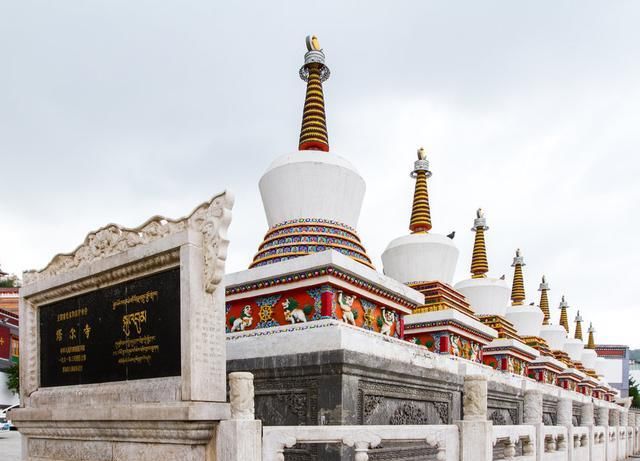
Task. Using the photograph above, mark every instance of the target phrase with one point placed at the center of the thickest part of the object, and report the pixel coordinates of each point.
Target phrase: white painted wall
(6, 396)
(612, 370)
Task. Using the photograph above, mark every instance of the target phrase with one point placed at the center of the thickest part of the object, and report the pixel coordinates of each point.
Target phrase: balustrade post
(476, 432)
(565, 418)
(602, 419)
(587, 421)
(240, 438)
(533, 417)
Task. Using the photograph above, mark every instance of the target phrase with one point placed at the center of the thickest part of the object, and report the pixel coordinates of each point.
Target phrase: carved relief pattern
(382, 403)
(282, 402)
(408, 413)
(370, 404)
(210, 218)
(498, 418)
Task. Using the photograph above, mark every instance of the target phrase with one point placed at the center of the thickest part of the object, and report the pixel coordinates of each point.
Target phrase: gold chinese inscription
(82, 311)
(72, 358)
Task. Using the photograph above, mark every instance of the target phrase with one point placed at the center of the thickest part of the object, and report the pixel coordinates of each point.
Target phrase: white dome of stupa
(556, 335)
(421, 256)
(589, 354)
(575, 346)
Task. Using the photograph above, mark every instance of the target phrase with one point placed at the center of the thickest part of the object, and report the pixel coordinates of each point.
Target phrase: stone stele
(171, 417)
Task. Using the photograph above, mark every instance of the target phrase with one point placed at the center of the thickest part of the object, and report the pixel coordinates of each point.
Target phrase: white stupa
(574, 346)
(312, 197)
(487, 295)
(421, 256)
(589, 354)
(526, 319)
(556, 335)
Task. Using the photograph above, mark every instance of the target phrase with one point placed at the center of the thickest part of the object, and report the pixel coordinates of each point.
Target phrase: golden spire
(479, 264)
(544, 300)
(517, 289)
(420, 212)
(591, 344)
(313, 134)
(564, 320)
(578, 321)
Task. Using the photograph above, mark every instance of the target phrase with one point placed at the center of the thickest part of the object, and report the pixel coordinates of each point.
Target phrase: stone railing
(512, 436)
(444, 439)
(612, 444)
(598, 443)
(472, 439)
(555, 443)
(580, 442)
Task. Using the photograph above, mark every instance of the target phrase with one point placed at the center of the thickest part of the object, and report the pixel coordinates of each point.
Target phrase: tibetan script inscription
(122, 332)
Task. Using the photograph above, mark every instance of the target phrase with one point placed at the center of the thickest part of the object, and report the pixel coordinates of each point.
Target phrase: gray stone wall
(346, 387)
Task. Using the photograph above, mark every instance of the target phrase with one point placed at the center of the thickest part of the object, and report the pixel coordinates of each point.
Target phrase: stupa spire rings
(564, 320)
(420, 211)
(479, 263)
(578, 320)
(544, 300)
(313, 133)
(591, 344)
(517, 289)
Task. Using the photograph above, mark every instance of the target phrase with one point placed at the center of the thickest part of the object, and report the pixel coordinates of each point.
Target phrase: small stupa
(487, 295)
(526, 319)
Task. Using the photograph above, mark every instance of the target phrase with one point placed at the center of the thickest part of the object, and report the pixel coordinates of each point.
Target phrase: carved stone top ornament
(211, 218)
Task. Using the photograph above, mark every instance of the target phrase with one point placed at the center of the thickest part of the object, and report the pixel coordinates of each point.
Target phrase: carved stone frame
(197, 245)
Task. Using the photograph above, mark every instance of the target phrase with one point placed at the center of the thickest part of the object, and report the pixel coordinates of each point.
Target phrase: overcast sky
(113, 111)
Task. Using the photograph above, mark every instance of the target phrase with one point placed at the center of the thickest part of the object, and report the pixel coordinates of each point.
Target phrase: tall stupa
(312, 197)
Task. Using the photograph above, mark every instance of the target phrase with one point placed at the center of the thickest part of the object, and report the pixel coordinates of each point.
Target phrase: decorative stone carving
(533, 407)
(497, 417)
(370, 403)
(211, 219)
(241, 395)
(474, 399)
(346, 304)
(408, 413)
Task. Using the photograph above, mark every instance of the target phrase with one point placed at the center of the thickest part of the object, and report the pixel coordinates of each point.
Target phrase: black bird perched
(531, 304)
(502, 278)
(451, 235)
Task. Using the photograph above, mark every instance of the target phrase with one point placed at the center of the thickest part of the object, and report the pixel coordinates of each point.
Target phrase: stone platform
(330, 373)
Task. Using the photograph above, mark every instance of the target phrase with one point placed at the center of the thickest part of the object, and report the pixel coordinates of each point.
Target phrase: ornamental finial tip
(422, 154)
(312, 43)
(480, 213)
(544, 279)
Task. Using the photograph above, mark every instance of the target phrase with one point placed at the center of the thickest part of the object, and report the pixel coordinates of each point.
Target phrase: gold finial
(420, 212)
(312, 43)
(517, 289)
(479, 263)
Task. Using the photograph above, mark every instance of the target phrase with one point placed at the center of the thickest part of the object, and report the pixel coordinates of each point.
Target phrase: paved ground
(10, 446)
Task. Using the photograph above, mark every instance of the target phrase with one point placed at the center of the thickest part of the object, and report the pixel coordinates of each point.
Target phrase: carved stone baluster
(509, 449)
